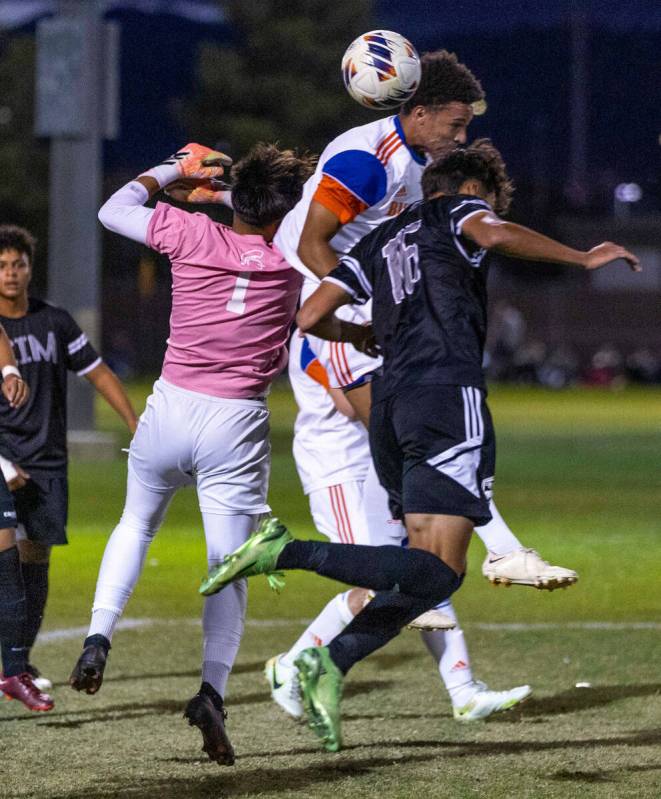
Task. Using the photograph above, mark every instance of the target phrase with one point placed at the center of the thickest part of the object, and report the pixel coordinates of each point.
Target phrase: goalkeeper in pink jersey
(206, 424)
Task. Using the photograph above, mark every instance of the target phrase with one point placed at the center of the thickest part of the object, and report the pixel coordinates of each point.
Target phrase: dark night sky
(520, 50)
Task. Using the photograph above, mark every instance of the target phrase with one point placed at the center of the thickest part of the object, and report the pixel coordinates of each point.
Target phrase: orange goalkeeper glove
(192, 161)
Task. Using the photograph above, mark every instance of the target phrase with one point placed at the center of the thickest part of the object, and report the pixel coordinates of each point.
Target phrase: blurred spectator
(606, 368)
(118, 355)
(507, 334)
(643, 366)
(560, 369)
(528, 361)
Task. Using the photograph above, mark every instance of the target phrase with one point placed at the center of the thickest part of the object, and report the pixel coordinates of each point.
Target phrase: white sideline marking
(75, 632)
(135, 624)
(572, 625)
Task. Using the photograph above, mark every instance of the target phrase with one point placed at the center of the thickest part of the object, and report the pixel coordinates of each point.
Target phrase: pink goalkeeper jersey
(233, 302)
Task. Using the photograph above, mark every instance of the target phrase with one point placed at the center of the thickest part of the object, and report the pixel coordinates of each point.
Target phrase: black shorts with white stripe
(434, 451)
(7, 508)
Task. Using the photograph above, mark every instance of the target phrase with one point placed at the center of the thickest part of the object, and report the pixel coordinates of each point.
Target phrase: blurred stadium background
(573, 103)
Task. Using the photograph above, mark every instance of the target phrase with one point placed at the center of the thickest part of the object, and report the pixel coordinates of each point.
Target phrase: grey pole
(72, 108)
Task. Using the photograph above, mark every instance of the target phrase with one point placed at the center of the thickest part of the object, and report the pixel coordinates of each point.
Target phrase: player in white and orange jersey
(363, 177)
(333, 460)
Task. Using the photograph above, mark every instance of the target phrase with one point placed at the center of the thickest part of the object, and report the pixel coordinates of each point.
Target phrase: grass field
(579, 478)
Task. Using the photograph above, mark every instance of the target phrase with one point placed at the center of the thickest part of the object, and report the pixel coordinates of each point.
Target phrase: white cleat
(525, 567)
(486, 702)
(285, 690)
(43, 684)
(431, 620)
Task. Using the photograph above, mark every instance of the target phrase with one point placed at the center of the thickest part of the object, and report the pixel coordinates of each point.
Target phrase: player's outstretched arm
(317, 316)
(194, 166)
(106, 382)
(493, 233)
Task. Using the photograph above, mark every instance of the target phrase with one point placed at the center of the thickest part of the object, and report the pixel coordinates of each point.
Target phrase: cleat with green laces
(258, 555)
(320, 683)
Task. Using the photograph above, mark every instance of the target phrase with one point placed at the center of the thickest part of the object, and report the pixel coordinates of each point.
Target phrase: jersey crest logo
(253, 257)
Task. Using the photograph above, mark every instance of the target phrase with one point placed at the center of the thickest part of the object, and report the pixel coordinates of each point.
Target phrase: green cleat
(320, 682)
(258, 555)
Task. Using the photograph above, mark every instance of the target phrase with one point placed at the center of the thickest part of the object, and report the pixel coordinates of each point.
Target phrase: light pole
(76, 97)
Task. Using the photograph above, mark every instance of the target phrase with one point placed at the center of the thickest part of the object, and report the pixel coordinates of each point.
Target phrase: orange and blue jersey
(363, 177)
(311, 365)
(328, 448)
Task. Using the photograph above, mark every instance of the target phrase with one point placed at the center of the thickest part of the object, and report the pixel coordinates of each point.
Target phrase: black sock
(12, 613)
(97, 640)
(409, 582)
(384, 568)
(35, 579)
(208, 690)
(383, 618)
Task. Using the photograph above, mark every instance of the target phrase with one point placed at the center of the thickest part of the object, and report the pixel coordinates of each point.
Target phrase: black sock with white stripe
(409, 582)
(35, 578)
(12, 613)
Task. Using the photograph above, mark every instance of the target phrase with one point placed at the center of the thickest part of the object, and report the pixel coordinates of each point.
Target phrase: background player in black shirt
(425, 271)
(15, 681)
(48, 344)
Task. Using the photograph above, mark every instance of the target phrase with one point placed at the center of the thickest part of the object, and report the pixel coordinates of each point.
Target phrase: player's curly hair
(268, 183)
(479, 161)
(17, 238)
(444, 79)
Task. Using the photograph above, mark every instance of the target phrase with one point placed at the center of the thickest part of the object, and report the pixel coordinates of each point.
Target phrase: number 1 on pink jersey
(236, 304)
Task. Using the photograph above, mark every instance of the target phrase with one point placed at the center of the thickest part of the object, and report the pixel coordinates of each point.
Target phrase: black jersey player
(425, 272)
(429, 428)
(15, 681)
(48, 344)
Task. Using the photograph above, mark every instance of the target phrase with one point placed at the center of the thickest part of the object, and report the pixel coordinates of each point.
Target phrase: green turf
(578, 479)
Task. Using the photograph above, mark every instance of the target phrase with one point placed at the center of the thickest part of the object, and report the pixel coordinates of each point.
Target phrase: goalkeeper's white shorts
(219, 445)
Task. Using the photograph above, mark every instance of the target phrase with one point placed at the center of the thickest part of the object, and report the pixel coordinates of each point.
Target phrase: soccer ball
(381, 69)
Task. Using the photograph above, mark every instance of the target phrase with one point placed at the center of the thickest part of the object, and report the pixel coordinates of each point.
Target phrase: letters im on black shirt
(428, 286)
(47, 344)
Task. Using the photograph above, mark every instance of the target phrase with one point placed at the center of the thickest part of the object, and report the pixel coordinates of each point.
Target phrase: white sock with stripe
(448, 648)
(329, 623)
(381, 527)
(496, 535)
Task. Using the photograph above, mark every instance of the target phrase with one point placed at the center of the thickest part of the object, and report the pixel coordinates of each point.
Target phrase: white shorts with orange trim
(343, 363)
(339, 514)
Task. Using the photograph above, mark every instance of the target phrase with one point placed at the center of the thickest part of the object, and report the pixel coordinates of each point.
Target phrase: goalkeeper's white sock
(329, 623)
(448, 648)
(224, 613)
(121, 567)
(496, 535)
